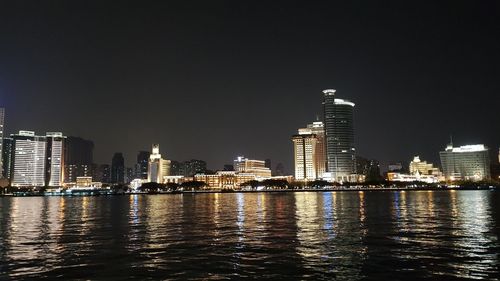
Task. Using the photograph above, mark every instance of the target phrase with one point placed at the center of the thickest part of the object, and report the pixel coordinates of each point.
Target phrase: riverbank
(107, 192)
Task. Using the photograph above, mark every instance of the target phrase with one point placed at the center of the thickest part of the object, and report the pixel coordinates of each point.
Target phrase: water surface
(304, 235)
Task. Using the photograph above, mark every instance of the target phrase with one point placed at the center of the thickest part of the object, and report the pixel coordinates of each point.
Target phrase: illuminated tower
(2, 119)
(304, 147)
(158, 167)
(339, 133)
(55, 159)
(29, 159)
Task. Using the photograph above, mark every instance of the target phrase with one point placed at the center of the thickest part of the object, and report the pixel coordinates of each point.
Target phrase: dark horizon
(212, 81)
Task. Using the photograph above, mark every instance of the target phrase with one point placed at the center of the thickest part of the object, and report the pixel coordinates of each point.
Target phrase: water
(288, 236)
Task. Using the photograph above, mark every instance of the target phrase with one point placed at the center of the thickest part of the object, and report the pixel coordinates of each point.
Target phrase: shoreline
(350, 189)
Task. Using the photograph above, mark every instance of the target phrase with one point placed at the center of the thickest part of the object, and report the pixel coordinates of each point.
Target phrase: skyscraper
(7, 157)
(118, 168)
(142, 164)
(78, 158)
(339, 133)
(28, 159)
(304, 147)
(318, 129)
(468, 162)
(55, 159)
(2, 119)
(158, 167)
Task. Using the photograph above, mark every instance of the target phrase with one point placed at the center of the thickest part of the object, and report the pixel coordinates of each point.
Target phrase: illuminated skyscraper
(304, 147)
(468, 162)
(29, 159)
(55, 159)
(2, 119)
(158, 167)
(7, 157)
(78, 158)
(339, 133)
(317, 128)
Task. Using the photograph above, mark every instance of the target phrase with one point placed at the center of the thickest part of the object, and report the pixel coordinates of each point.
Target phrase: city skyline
(127, 78)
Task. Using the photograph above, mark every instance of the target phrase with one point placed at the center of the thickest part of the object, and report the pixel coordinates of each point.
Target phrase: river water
(393, 235)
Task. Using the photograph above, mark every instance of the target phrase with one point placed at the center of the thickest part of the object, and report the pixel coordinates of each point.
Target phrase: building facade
(339, 134)
(158, 167)
(55, 159)
(118, 168)
(256, 167)
(78, 158)
(2, 120)
(423, 168)
(142, 164)
(7, 145)
(468, 162)
(304, 150)
(29, 160)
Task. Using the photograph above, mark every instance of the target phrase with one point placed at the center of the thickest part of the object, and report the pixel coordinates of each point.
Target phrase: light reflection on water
(303, 235)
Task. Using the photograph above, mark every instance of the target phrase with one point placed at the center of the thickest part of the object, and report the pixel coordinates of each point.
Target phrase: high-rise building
(304, 148)
(29, 159)
(317, 128)
(78, 158)
(468, 162)
(193, 167)
(2, 120)
(55, 159)
(102, 173)
(158, 167)
(142, 164)
(129, 175)
(279, 170)
(256, 167)
(7, 157)
(118, 168)
(339, 134)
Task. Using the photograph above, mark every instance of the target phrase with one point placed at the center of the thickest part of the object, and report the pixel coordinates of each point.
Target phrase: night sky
(214, 79)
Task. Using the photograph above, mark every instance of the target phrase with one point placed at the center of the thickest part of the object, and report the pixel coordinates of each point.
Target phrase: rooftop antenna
(451, 139)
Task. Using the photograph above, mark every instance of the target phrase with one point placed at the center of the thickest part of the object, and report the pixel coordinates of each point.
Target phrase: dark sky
(214, 79)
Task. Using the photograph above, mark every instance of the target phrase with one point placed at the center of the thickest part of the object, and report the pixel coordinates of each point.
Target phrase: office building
(193, 167)
(78, 158)
(118, 168)
(468, 162)
(7, 145)
(304, 150)
(55, 159)
(102, 173)
(157, 167)
(29, 159)
(142, 164)
(339, 134)
(318, 129)
(249, 166)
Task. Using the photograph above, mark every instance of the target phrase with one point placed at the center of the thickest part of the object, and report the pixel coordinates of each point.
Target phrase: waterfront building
(423, 168)
(142, 164)
(118, 168)
(194, 166)
(399, 177)
(55, 159)
(78, 158)
(256, 167)
(157, 166)
(2, 120)
(7, 145)
(225, 179)
(468, 162)
(304, 148)
(29, 159)
(318, 128)
(103, 173)
(339, 134)
(370, 169)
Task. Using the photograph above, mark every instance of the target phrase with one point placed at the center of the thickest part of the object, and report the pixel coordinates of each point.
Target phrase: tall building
(29, 159)
(2, 120)
(318, 128)
(7, 145)
(142, 164)
(249, 166)
(339, 133)
(118, 168)
(304, 150)
(468, 162)
(55, 159)
(193, 167)
(78, 158)
(102, 173)
(158, 167)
